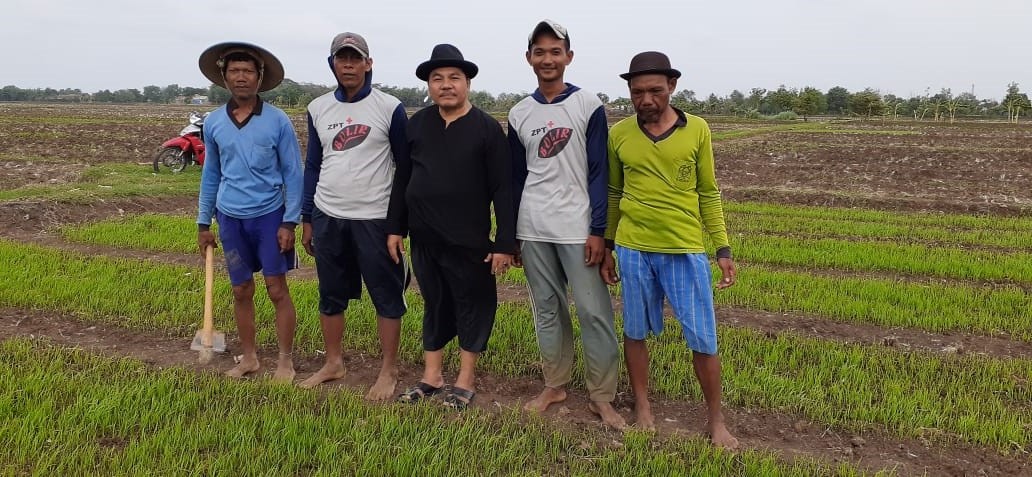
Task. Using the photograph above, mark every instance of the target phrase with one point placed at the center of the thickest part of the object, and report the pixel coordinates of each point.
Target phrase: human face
(350, 68)
(448, 87)
(549, 58)
(242, 79)
(650, 95)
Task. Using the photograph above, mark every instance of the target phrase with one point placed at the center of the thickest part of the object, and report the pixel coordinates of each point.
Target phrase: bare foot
(720, 436)
(284, 369)
(643, 416)
(246, 366)
(328, 372)
(383, 388)
(547, 397)
(609, 415)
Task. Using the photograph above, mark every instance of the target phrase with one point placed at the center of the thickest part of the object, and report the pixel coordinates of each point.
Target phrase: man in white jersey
(355, 136)
(558, 139)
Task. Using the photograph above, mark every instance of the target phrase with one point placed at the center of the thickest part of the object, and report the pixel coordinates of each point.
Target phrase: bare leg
(286, 324)
(433, 368)
(548, 396)
(333, 337)
(636, 353)
(243, 311)
(707, 369)
(467, 370)
(389, 330)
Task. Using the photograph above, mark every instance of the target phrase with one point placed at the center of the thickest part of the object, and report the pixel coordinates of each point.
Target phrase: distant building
(199, 99)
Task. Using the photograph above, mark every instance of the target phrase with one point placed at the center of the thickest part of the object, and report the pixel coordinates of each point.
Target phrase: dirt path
(788, 435)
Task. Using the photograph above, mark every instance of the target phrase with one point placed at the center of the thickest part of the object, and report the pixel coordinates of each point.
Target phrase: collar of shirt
(570, 89)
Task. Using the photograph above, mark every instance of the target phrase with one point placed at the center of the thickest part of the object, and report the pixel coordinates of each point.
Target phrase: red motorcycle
(185, 149)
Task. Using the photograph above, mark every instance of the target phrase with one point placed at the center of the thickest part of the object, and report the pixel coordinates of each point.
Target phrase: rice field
(109, 244)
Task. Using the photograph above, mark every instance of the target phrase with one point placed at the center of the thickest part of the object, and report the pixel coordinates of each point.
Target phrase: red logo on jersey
(553, 142)
(350, 137)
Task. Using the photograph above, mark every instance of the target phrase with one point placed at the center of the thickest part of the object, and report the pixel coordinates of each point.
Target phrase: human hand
(500, 262)
(395, 247)
(727, 271)
(608, 269)
(306, 238)
(205, 239)
(594, 248)
(285, 238)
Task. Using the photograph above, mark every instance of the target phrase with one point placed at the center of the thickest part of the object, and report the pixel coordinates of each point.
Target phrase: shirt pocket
(264, 159)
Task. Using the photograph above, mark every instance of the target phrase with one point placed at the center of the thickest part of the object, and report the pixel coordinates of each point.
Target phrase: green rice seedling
(747, 224)
(105, 181)
(913, 259)
(152, 232)
(845, 385)
(68, 412)
(956, 221)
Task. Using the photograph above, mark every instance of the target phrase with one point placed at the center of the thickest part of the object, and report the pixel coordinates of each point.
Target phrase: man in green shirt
(663, 195)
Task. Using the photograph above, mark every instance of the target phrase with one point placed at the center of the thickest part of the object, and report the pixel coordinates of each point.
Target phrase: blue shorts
(685, 280)
(250, 245)
(350, 251)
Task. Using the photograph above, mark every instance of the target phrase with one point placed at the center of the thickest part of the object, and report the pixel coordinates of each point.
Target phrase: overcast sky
(896, 46)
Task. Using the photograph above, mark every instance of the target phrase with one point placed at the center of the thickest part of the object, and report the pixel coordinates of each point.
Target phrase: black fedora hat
(446, 55)
(650, 63)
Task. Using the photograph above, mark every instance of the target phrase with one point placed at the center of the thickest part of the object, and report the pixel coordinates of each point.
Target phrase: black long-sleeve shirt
(455, 174)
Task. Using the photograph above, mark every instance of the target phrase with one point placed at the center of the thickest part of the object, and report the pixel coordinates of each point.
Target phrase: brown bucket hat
(270, 68)
(650, 63)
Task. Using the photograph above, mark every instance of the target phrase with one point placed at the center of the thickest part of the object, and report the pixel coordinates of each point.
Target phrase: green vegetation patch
(68, 412)
(978, 399)
(107, 181)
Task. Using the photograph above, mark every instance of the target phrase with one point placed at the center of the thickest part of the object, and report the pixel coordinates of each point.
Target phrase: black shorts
(349, 251)
(459, 294)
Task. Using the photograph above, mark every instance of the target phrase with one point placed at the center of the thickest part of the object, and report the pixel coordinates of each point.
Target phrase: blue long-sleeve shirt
(250, 168)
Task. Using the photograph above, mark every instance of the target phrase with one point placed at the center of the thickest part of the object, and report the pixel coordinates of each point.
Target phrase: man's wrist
(203, 228)
(288, 226)
(724, 252)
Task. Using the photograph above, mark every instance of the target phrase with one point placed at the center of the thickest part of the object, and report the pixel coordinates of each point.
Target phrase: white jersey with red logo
(357, 168)
(555, 204)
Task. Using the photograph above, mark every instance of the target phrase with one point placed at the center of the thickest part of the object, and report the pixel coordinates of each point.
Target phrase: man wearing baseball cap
(356, 135)
(558, 139)
(663, 197)
(251, 184)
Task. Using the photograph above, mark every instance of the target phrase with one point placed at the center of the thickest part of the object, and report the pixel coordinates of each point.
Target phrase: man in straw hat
(663, 195)
(460, 166)
(356, 134)
(558, 138)
(251, 184)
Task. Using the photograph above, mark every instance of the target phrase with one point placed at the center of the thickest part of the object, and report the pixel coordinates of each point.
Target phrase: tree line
(782, 103)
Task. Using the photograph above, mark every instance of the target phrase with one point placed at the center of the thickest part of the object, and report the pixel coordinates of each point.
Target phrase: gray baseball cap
(549, 26)
(350, 40)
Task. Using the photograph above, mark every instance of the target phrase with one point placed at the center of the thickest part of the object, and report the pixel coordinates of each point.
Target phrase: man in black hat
(356, 134)
(251, 184)
(663, 195)
(460, 167)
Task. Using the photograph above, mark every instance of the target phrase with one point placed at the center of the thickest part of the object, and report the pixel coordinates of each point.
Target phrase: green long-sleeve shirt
(663, 190)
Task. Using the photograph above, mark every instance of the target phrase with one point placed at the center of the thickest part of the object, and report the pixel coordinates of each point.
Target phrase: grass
(109, 181)
(977, 399)
(931, 306)
(909, 259)
(67, 412)
(745, 223)
(910, 219)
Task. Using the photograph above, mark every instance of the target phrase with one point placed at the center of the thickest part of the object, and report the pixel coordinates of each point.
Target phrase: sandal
(419, 392)
(459, 399)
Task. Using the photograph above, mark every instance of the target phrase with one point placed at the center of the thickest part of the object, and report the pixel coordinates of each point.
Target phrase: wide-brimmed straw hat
(269, 66)
(650, 63)
(446, 55)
